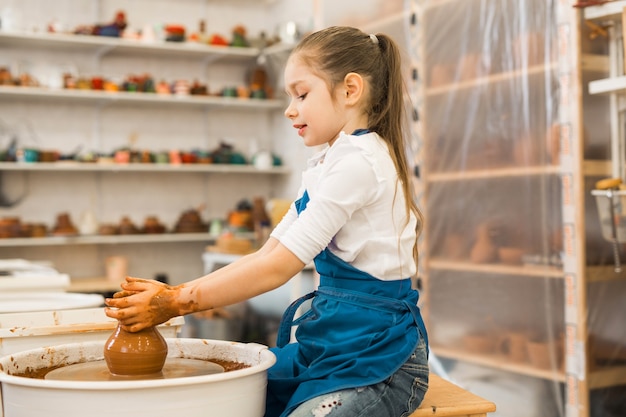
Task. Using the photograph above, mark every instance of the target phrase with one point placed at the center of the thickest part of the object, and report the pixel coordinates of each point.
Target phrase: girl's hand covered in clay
(143, 303)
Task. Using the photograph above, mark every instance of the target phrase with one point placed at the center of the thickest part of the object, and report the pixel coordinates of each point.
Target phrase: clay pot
(553, 143)
(441, 74)
(539, 354)
(511, 255)
(127, 227)
(138, 353)
(526, 151)
(484, 249)
(455, 246)
(513, 346)
(10, 227)
(64, 226)
(479, 343)
(471, 66)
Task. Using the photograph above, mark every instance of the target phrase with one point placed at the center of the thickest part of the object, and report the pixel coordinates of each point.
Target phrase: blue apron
(358, 332)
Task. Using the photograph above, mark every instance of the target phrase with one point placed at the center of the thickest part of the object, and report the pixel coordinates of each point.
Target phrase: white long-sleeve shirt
(356, 209)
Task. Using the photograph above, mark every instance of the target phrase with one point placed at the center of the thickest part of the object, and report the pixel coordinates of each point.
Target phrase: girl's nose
(290, 111)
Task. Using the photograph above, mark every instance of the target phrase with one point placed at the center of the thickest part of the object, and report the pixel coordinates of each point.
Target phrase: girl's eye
(302, 96)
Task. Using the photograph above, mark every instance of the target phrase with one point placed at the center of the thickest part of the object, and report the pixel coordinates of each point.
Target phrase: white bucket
(238, 393)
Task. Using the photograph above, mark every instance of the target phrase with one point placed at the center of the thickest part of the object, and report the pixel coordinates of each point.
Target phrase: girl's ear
(353, 87)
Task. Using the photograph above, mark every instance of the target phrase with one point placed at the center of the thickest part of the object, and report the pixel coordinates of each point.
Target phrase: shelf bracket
(103, 50)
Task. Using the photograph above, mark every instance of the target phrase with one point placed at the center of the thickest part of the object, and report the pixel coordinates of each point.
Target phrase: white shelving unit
(97, 50)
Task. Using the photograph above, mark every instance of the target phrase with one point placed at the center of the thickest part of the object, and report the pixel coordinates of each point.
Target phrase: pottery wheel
(98, 371)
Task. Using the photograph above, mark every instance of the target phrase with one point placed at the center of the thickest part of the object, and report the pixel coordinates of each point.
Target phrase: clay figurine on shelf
(190, 221)
(259, 86)
(218, 40)
(200, 36)
(113, 29)
(175, 33)
(239, 36)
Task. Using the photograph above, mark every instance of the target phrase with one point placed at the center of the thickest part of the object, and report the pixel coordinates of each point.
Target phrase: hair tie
(374, 38)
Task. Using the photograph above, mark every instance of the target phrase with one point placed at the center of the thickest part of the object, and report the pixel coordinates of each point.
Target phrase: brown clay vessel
(135, 353)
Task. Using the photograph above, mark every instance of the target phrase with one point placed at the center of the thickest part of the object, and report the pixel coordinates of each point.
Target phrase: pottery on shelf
(484, 249)
(64, 226)
(190, 222)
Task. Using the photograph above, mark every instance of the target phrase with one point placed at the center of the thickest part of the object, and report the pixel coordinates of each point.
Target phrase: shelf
(608, 85)
(493, 173)
(107, 240)
(138, 167)
(93, 285)
(607, 377)
(604, 273)
(103, 97)
(501, 363)
(540, 271)
(489, 80)
(594, 63)
(607, 11)
(103, 44)
(597, 168)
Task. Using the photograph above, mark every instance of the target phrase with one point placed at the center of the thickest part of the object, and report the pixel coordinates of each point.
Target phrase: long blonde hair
(338, 50)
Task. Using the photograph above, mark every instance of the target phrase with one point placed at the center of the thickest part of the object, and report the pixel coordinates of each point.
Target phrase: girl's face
(318, 118)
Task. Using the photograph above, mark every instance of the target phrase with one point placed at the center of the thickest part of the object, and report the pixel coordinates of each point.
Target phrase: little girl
(361, 349)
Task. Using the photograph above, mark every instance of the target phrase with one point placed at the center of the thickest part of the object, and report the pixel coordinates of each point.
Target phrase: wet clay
(136, 353)
(93, 371)
(98, 371)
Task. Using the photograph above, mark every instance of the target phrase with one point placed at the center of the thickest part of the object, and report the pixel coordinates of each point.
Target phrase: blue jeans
(398, 396)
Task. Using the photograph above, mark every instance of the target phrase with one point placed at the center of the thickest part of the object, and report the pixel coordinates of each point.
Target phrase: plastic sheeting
(492, 255)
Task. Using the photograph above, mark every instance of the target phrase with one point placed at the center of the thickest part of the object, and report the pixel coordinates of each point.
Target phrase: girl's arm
(145, 303)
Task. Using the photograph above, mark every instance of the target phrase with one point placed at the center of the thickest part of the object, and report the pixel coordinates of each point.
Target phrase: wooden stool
(443, 398)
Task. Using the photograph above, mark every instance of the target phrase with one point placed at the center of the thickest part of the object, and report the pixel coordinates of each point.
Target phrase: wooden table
(443, 398)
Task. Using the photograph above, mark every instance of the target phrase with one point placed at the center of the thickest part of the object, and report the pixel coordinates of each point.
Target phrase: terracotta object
(127, 227)
(441, 74)
(64, 226)
(484, 249)
(190, 222)
(138, 353)
(108, 229)
(471, 66)
(153, 225)
(480, 343)
(116, 268)
(526, 151)
(10, 227)
(39, 230)
(455, 246)
(511, 255)
(539, 354)
(513, 346)
(553, 143)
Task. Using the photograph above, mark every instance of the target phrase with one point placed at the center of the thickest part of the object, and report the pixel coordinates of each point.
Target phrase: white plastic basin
(238, 393)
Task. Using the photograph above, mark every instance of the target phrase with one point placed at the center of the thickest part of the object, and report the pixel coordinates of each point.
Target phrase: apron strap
(284, 331)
